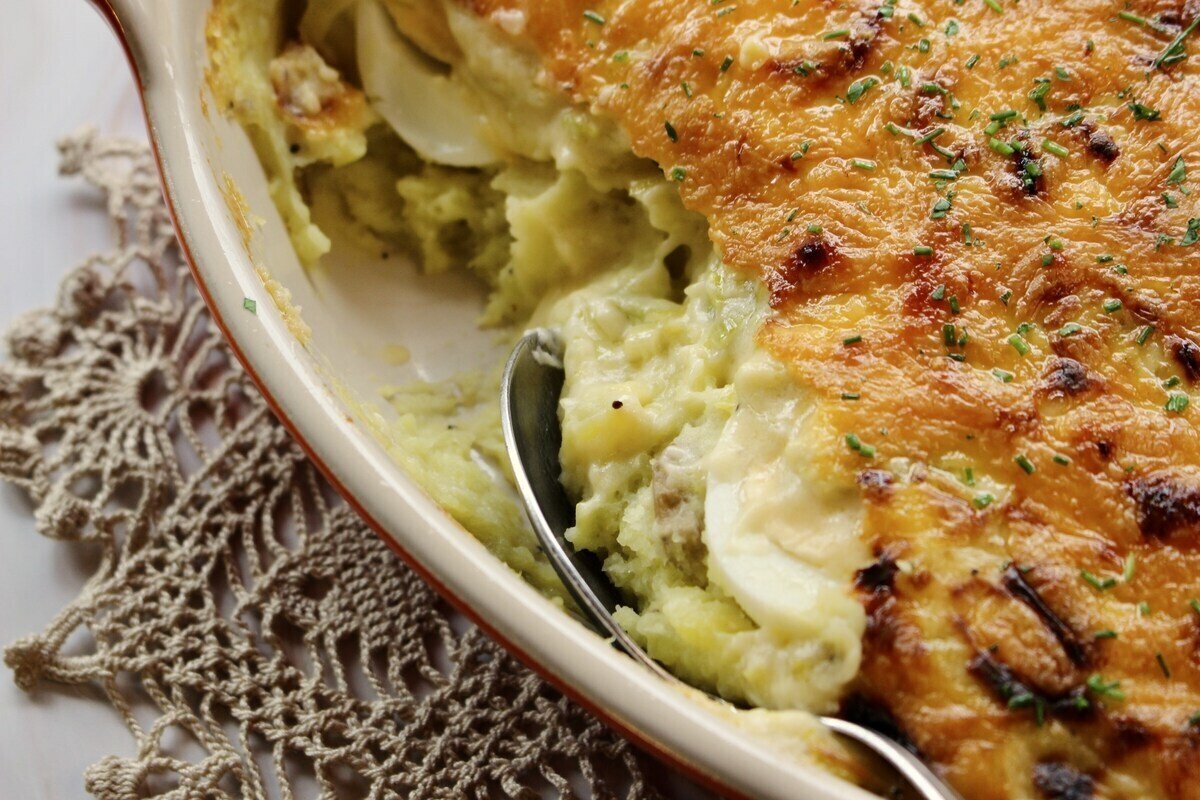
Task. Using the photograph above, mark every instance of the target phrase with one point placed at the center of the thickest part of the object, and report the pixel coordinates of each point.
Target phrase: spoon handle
(913, 769)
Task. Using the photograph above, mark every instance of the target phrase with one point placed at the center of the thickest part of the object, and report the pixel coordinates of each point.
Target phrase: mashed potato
(681, 439)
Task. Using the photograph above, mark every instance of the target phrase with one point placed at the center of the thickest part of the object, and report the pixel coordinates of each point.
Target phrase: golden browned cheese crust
(1009, 316)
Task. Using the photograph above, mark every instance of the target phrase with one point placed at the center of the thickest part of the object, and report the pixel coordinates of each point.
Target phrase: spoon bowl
(529, 399)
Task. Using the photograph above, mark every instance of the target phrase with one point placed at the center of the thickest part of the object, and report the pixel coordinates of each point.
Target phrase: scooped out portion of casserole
(881, 321)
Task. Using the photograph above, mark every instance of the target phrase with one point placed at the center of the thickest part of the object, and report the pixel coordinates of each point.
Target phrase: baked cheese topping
(977, 228)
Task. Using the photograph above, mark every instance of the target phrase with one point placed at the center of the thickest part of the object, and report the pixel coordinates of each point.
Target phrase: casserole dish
(311, 368)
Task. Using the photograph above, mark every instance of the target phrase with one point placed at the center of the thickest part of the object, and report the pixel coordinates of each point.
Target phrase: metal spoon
(529, 394)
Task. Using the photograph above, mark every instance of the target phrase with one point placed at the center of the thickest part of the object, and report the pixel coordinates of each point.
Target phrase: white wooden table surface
(60, 67)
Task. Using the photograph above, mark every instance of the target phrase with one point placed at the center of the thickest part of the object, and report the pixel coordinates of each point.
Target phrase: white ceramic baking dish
(206, 162)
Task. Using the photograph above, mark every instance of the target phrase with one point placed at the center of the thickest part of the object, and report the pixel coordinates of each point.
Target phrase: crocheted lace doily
(258, 640)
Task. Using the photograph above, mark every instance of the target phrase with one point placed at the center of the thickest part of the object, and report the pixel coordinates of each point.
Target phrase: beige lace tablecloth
(257, 638)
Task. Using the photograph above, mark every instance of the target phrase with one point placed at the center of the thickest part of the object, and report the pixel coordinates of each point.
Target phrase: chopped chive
(949, 334)
(1073, 119)
(671, 133)
(1025, 464)
(1175, 51)
(1096, 583)
(938, 293)
(1177, 403)
(1054, 148)
(1143, 112)
(859, 88)
(1178, 172)
(1129, 568)
(940, 208)
(1107, 633)
(849, 340)
(1004, 116)
(697, 52)
(1144, 334)
(1021, 700)
(1003, 148)
(814, 228)
(943, 175)
(858, 446)
(1019, 344)
(972, 61)
(726, 63)
(851, 396)
(922, 250)
(1002, 375)
(1162, 664)
(983, 500)
(678, 174)
(592, 16)
(1195, 604)
(250, 305)
(836, 34)
(1061, 460)
(1038, 93)
(1070, 329)
(929, 137)
(1143, 609)
(954, 307)
(862, 163)
(1129, 16)
(1111, 690)
(994, 5)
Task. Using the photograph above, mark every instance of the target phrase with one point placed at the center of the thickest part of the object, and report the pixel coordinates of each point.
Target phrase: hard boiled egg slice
(430, 111)
(782, 539)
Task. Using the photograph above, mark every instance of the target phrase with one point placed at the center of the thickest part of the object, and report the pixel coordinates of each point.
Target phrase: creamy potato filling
(690, 449)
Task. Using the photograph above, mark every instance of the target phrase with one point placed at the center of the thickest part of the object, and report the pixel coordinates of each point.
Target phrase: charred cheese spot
(1066, 377)
(1057, 780)
(1015, 582)
(876, 484)
(1098, 142)
(813, 255)
(1168, 505)
(1187, 353)
(879, 577)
